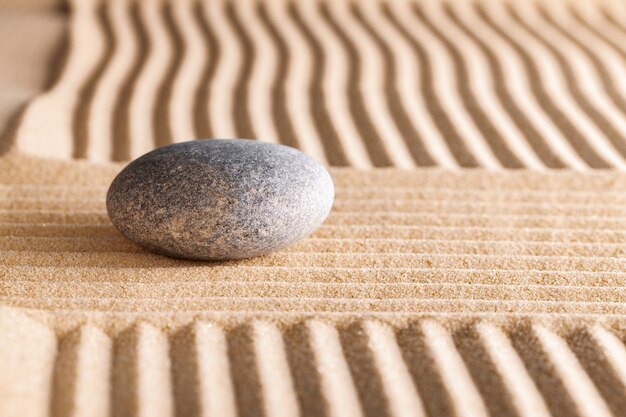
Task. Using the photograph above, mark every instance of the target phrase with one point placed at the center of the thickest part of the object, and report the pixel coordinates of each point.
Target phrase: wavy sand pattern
(428, 292)
(452, 84)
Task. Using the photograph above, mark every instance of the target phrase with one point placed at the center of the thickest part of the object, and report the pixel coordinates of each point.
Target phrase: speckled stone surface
(220, 199)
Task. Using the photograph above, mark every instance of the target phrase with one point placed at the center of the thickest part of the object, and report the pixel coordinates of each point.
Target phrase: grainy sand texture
(442, 284)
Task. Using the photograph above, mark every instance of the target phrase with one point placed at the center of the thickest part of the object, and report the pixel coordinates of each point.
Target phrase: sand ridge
(428, 292)
(405, 84)
(524, 297)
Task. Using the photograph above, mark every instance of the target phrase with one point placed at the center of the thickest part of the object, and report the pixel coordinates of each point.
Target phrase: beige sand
(428, 292)
(522, 280)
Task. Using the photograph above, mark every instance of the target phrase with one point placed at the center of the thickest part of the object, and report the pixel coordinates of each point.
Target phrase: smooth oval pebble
(220, 199)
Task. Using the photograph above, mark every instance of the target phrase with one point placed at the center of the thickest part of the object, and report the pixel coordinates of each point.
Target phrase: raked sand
(498, 291)
(431, 290)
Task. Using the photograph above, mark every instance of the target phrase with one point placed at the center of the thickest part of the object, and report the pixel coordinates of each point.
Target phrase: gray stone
(220, 199)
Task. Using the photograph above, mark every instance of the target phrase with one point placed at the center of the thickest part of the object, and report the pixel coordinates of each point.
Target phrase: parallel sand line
(530, 181)
(613, 349)
(379, 219)
(387, 206)
(115, 320)
(422, 191)
(578, 384)
(479, 179)
(220, 300)
(53, 216)
(44, 215)
(441, 305)
(376, 203)
(480, 220)
(58, 215)
(279, 396)
(389, 232)
(336, 383)
(421, 209)
(201, 290)
(476, 113)
(126, 287)
(526, 398)
(141, 373)
(479, 233)
(432, 180)
(47, 194)
(201, 371)
(390, 204)
(397, 384)
(317, 246)
(72, 244)
(211, 341)
(462, 389)
(427, 192)
(82, 373)
(455, 246)
(477, 182)
(315, 274)
(337, 231)
(215, 329)
(336, 260)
